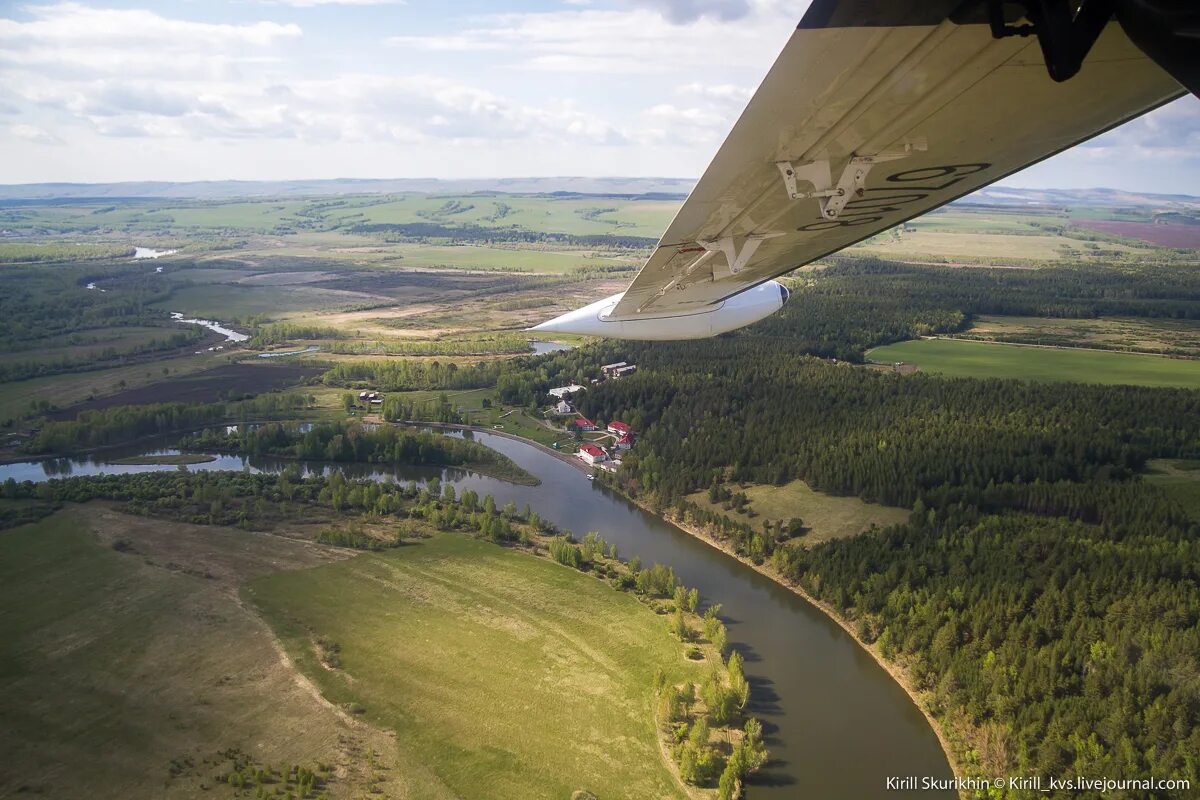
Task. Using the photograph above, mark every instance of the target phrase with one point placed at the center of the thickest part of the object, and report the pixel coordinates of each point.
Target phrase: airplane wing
(875, 112)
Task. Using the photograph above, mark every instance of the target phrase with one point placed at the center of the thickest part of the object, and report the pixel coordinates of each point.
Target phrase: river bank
(897, 671)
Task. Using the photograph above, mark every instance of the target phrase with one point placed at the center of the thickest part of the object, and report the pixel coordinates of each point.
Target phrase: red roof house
(619, 428)
(585, 424)
(591, 453)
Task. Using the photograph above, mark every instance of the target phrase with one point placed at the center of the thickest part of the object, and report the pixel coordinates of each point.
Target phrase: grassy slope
(509, 676)
(828, 517)
(985, 360)
(114, 664)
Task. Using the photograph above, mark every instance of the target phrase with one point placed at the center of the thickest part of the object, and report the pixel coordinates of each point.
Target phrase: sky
(285, 89)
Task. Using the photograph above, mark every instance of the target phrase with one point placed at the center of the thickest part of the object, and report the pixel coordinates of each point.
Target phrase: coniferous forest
(1043, 594)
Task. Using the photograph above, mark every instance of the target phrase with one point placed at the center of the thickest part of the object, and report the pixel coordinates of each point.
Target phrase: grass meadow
(507, 676)
(826, 516)
(970, 359)
(124, 674)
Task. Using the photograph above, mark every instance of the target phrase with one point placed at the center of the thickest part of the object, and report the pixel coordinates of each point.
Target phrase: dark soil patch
(1182, 236)
(222, 383)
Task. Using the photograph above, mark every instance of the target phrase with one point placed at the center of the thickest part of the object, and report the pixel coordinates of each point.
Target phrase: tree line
(350, 442)
(121, 424)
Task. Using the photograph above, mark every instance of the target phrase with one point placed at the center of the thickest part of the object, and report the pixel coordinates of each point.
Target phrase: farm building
(619, 429)
(591, 454)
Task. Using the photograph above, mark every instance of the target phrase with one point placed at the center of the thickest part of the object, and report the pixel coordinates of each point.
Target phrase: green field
(507, 676)
(235, 301)
(826, 516)
(91, 344)
(124, 673)
(579, 216)
(545, 213)
(1180, 479)
(969, 359)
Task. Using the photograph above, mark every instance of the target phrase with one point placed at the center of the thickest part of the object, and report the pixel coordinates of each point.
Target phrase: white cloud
(1170, 132)
(682, 12)
(137, 74)
(70, 41)
(720, 93)
(316, 3)
(634, 40)
(32, 133)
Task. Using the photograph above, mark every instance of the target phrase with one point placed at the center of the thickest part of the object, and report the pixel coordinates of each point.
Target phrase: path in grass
(507, 675)
(123, 672)
(960, 358)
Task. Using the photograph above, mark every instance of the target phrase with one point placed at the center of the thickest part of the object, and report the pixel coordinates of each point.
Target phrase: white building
(563, 391)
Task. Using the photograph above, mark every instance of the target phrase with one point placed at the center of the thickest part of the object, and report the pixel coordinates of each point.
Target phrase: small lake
(229, 334)
(837, 724)
(541, 348)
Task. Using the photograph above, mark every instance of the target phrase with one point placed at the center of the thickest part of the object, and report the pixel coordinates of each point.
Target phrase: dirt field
(1182, 236)
(205, 387)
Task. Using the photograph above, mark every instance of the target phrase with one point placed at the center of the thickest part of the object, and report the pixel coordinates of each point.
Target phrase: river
(216, 327)
(837, 724)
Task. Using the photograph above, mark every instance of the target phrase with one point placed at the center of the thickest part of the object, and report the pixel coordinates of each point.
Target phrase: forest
(1070, 648)
(122, 424)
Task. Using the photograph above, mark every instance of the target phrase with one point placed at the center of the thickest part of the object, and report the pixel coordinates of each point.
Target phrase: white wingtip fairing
(738, 311)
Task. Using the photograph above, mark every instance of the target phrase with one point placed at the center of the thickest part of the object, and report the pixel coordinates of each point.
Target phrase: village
(602, 447)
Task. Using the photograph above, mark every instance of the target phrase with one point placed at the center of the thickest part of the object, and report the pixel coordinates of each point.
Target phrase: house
(585, 424)
(591, 454)
(563, 391)
(625, 442)
(608, 369)
(619, 429)
(563, 407)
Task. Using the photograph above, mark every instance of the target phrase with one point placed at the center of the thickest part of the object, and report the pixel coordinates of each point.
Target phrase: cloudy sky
(108, 90)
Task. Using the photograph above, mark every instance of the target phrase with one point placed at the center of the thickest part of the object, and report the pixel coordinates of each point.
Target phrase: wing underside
(863, 123)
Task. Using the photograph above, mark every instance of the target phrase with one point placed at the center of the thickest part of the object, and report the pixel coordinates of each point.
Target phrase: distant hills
(1109, 198)
(225, 190)
(653, 187)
